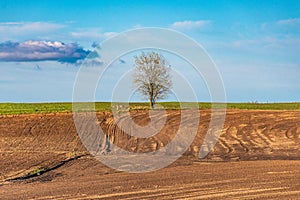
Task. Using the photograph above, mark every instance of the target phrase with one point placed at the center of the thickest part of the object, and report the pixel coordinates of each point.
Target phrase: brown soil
(257, 156)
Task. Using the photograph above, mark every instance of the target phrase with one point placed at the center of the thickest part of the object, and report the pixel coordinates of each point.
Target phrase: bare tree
(152, 76)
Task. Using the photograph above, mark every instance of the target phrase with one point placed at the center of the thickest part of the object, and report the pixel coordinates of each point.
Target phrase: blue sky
(255, 44)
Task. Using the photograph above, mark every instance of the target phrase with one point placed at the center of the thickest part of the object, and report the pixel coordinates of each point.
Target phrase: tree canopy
(152, 76)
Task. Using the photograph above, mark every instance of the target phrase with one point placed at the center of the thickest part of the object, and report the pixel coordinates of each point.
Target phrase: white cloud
(267, 45)
(94, 34)
(294, 21)
(25, 27)
(35, 50)
(17, 31)
(138, 26)
(11, 23)
(190, 24)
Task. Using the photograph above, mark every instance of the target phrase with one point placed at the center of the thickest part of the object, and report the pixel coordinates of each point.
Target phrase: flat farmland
(256, 156)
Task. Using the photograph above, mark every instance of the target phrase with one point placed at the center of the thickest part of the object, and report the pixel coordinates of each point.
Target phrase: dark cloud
(95, 44)
(91, 60)
(41, 51)
(122, 61)
(37, 67)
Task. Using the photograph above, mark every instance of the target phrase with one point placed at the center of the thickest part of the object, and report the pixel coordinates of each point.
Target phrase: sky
(254, 44)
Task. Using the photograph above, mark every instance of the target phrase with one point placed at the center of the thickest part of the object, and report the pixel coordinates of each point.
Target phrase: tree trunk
(151, 102)
(151, 95)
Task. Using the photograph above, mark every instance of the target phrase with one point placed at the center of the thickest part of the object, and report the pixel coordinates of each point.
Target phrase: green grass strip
(29, 108)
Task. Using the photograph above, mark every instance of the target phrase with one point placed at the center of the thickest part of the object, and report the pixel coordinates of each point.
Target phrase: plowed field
(256, 156)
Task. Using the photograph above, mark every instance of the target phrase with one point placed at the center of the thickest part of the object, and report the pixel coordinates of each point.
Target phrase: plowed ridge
(258, 140)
